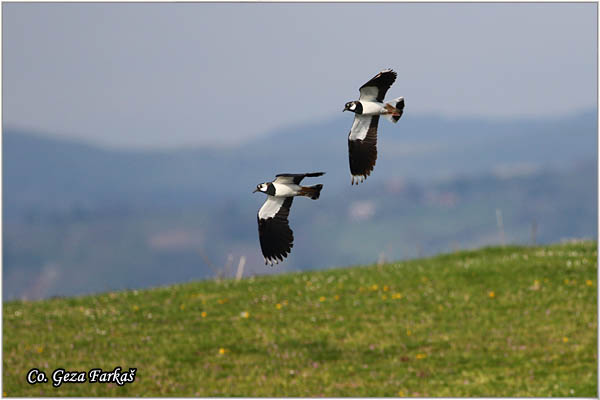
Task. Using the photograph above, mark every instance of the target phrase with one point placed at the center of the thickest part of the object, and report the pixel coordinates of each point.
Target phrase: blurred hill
(80, 219)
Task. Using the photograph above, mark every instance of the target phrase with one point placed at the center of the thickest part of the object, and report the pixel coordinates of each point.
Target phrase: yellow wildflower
(222, 351)
(397, 296)
(203, 314)
(589, 282)
(182, 307)
(374, 287)
(40, 349)
(565, 339)
(492, 294)
(337, 297)
(421, 356)
(322, 299)
(244, 314)
(408, 332)
(386, 288)
(135, 308)
(278, 306)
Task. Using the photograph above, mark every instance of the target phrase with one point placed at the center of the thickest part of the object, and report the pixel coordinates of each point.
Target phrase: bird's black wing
(276, 237)
(377, 87)
(362, 147)
(295, 178)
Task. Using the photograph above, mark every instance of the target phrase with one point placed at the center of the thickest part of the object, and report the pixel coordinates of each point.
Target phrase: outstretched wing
(362, 146)
(276, 237)
(376, 88)
(295, 178)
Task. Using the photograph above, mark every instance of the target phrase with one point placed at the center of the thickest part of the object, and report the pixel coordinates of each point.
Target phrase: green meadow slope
(513, 321)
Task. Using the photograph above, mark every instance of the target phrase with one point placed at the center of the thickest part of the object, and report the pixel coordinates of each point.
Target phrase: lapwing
(362, 140)
(276, 237)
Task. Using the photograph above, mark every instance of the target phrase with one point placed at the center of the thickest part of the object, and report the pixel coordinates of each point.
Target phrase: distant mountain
(81, 219)
(429, 147)
(48, 174)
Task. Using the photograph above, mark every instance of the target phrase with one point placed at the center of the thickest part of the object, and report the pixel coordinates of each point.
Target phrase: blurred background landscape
(123, 169)
(80, 219)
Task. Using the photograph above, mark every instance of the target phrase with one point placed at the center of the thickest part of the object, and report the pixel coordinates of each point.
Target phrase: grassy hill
(513, 321)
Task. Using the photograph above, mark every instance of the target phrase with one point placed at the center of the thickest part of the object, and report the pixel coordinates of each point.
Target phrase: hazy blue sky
(176, 74)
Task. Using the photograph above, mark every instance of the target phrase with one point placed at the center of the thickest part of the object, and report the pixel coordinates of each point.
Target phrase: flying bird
(276, 237)
(362, 140)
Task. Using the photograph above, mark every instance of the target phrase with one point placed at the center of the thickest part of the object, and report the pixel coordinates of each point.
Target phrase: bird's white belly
(372, 108)
(286, 189)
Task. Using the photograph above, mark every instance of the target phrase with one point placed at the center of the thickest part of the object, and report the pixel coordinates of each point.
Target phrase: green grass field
(513, 321)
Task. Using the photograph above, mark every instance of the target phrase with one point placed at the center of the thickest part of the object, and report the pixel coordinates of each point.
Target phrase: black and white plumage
(276, 237)
(362, 139)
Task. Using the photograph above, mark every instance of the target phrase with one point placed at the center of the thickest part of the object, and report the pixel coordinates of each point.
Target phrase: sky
(166, 75)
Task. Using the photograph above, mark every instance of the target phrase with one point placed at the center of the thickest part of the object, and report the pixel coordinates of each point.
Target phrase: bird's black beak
(255, 190)
(344, 109)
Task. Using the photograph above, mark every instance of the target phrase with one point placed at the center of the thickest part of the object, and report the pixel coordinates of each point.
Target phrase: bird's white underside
(368, 93)
(286, 189)
(271, 207)
(372, 108)
(360, 127)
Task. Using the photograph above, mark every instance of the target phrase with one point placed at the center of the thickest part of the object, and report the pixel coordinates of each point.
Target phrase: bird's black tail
(311, 191)
(395, 109)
